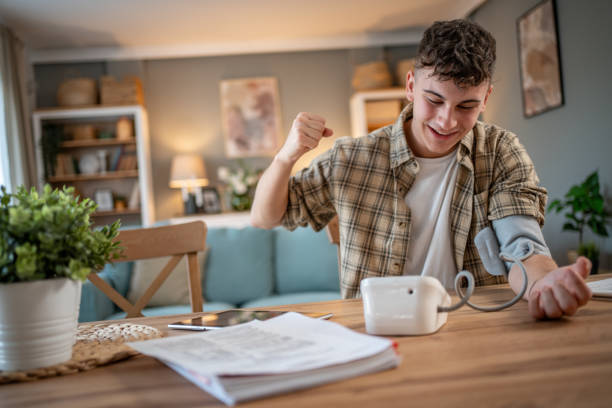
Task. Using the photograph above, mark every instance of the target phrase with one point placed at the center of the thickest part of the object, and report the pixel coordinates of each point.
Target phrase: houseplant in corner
(585, 207)
(47, 248)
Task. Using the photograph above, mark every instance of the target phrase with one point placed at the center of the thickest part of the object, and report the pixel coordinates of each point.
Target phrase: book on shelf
(127, 159)
(134, 200)
(114, 158)
(279, 355)
(64, 165)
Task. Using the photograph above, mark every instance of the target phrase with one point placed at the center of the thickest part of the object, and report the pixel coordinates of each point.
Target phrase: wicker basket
(372, 75)
(80, 132)
(125, 92)
(77, 92)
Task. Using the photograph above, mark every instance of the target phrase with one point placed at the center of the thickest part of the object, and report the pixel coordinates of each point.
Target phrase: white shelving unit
(361, 124)
(120, 182)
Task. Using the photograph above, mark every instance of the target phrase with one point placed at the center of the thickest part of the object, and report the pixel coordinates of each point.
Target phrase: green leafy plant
(584, 207)
(51, 140)
(589, 250)
(49, 235)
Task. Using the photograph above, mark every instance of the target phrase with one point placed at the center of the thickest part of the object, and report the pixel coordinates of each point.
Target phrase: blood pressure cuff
(517, 235)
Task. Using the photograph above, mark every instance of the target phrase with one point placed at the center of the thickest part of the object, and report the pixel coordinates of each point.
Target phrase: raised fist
(305, 134)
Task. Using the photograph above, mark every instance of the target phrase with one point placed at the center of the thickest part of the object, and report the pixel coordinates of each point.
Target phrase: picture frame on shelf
(104, 198)
(251, 118)
(211, 201)
(539, 59)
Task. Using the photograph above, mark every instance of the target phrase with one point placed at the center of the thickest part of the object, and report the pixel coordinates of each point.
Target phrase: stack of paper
(279, 355)
(602, 289)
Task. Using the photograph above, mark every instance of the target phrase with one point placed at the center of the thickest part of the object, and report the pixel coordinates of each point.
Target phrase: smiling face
(443, 113)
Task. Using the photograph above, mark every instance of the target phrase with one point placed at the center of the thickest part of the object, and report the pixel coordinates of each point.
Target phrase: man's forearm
(537, 266)
(271, 195)
(272, 192)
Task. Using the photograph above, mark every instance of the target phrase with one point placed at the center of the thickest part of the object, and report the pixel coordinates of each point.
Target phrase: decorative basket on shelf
(128, 91)
(77, 92)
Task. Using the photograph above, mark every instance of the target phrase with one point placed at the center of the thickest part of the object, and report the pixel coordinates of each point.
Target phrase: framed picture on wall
(251, 118)
(540, 62)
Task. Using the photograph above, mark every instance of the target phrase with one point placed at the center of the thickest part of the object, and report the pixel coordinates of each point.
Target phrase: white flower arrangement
(240, 180)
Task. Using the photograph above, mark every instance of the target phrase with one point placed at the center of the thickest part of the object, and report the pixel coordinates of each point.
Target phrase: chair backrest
(333, 234)
(173, 240)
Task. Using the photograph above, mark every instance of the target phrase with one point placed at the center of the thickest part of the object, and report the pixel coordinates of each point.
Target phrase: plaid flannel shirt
(364, 181)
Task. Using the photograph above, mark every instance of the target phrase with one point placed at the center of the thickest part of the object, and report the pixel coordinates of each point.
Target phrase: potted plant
(584, 207)
(47, 248)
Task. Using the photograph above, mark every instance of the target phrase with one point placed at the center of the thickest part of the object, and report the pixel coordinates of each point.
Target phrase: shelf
(123, 183)
(97, 142)
(372, 126)
(240, 219)
(361, 125)
(84, 107)
(91, 177)
(114, 213)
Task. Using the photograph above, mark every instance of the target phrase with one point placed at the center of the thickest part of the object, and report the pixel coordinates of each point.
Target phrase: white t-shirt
(430, 251)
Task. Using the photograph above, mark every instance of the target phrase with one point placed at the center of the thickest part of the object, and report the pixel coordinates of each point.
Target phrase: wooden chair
(333, 234)
(174, 240)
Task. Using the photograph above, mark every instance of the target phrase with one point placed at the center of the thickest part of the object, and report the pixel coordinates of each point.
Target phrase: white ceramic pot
(38, 322)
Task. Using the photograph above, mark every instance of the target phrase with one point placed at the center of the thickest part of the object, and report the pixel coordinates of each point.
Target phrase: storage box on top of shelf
(77, 92)
(128, 91)
(372, 75)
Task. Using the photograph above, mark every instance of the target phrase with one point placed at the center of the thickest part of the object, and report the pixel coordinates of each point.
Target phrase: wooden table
(501, 359)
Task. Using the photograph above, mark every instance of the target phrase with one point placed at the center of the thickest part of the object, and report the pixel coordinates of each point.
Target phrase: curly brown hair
(460, 50)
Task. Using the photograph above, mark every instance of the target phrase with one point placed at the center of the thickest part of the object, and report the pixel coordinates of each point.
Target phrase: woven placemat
(96, 345)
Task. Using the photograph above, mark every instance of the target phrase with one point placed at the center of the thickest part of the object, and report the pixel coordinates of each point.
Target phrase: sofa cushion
(174, 290)
(120, 274)
(174, 309)
(288, 299)
(240, 264)
(305, 261)
(95, 305)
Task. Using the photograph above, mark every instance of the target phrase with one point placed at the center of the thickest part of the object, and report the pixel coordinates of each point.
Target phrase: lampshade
(187, 170)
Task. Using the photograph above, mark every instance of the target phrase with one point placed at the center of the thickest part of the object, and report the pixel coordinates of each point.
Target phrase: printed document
(260, 358)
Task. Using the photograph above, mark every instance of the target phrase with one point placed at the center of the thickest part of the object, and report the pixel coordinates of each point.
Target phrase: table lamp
(188, 173)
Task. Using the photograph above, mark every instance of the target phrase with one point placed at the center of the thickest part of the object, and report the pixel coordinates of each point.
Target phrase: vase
(38, 322)
(241, 202)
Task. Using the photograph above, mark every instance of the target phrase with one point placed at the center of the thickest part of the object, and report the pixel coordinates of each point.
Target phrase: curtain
(16, 119)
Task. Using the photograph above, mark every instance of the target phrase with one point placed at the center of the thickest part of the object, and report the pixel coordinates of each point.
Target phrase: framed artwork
(211, 203)
(251, 118)
(104, 199)
(540, 62)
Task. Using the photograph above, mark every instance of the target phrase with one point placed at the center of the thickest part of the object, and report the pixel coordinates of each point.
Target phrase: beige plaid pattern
(365, 181)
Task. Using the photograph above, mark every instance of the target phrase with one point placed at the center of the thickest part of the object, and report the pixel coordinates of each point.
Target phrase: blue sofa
(246, 267)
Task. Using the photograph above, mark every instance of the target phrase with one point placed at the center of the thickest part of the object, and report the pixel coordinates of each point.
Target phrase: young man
(411, 197)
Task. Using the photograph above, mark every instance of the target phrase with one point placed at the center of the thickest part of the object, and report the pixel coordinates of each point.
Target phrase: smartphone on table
(219, 320)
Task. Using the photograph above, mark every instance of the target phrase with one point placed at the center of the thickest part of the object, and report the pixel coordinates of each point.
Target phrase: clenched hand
(561, 292)
(305, 134)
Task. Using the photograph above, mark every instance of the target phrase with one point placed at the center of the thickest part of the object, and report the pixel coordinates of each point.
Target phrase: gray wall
(182, 99)
(568, 143)
(184, 109)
